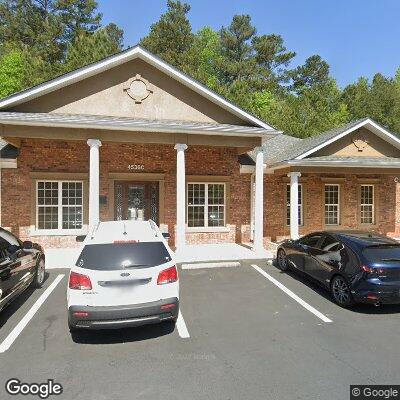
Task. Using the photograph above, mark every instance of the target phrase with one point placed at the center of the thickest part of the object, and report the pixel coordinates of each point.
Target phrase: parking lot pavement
(248, 339)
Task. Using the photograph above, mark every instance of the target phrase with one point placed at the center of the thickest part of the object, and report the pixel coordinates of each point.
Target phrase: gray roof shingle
(296, 148)
(123, 123)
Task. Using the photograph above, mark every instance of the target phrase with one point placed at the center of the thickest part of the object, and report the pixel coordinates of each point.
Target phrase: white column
(294, 204)
(259, 201)
(180, 196)
(94, 182)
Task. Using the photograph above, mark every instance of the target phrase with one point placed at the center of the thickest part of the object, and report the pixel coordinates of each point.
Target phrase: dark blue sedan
(355, 266)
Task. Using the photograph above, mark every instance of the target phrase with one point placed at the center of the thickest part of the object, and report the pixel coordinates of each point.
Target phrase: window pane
(195, 216)
(72, 205)
(196, 193)
(367, 204)
(72, 218)
(47, 217)
(216, 194)
(331, 204)
(216, 216)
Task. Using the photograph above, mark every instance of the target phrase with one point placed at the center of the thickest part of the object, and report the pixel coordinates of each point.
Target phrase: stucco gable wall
(103, 94)
(345, 147)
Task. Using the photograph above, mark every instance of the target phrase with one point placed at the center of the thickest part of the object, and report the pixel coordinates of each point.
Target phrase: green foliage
(12, 72)
(40, 39)
(90, 47)
(172, 35)
(46, 38)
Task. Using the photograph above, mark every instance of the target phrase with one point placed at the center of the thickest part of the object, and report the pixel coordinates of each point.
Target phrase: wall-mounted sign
(136, 167)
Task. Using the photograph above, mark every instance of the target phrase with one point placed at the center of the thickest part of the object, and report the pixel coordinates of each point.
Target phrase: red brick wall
(73, 156)
(387, 203)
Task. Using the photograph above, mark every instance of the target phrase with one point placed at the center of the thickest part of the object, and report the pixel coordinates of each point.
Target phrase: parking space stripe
(181, 326)
(9, 340)
(292, 295)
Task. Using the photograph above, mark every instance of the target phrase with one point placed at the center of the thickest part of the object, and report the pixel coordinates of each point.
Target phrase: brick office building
(131, 137)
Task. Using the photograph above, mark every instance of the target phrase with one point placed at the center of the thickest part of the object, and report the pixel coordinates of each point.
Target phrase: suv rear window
(382, 253)
(115, 256)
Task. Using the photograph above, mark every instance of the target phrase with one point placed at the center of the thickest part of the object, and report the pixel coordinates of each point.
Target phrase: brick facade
(387, 202)
(36, 155)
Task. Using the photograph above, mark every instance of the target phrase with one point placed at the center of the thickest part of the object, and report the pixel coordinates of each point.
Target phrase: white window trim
(338, 204)
(301, 204)
(364, 204)
(205, 228)
(35, 231)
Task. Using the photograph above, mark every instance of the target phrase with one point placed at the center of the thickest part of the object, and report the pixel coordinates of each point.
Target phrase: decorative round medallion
(138, 88)
(360, 142)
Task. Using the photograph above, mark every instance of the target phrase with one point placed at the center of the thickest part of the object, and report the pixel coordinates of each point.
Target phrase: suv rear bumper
(113, 317)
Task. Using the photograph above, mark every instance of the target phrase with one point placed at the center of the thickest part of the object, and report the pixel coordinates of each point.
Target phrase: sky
(356, 37)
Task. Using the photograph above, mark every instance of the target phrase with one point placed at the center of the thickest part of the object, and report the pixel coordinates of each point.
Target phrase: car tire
(282, 260)
(341, 293)
(40, 274)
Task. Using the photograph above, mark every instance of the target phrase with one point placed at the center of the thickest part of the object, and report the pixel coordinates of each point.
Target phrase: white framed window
(367, 212)
(59, 206)
(300, 203)
(332, 204)
(206, 205)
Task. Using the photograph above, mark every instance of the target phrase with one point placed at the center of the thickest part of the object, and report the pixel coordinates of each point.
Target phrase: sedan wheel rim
(282, 259)
(341, 291)
(40, 272)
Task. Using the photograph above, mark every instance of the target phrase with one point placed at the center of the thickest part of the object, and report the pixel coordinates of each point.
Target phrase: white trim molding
(118, 59)
(368, 123)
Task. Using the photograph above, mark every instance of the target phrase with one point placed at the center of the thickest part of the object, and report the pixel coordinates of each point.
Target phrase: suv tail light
(168, 275)
(79, 282)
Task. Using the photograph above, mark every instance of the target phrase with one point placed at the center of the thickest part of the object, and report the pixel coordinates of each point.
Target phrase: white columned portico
(180, 196)
(258, 241)
(294, 204)
(94, 182)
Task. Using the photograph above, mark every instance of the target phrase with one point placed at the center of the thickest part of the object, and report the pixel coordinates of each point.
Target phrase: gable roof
(299, 149)
(120, 58)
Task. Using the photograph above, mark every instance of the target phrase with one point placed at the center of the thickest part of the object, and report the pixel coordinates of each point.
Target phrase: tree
(314, 72)
(91, 47)
(78, 16)
(202, 61)
(171, 37)
(239, 62)
(12, 72)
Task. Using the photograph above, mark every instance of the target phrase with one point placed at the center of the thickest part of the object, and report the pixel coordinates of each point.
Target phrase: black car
(21, 264)
(355, 266)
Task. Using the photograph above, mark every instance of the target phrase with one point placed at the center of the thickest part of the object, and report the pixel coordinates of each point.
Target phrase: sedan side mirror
(27, 245)
(166, 235)
(80, 238)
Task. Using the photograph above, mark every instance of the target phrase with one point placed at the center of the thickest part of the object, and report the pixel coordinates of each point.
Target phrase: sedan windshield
(117, 256)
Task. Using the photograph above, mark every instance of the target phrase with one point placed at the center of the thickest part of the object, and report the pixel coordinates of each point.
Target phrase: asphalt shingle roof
(133, 124)
(296, 148)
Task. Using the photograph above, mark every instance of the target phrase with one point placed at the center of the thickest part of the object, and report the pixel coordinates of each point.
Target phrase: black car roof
(362, 238)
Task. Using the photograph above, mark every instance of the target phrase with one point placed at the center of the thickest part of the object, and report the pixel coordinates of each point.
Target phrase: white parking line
(181, 326)
(292, 295)
(9, 340)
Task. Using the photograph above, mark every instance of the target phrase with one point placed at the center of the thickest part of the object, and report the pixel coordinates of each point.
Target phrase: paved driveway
(249, 339)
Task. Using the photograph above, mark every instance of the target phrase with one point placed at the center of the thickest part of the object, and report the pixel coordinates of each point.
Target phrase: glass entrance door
(136, 201)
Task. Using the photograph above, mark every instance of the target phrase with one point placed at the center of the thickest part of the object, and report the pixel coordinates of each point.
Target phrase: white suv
(124, 276)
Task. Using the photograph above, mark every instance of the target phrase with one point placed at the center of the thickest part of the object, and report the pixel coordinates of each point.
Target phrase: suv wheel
(341, 292)
(40, 274)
